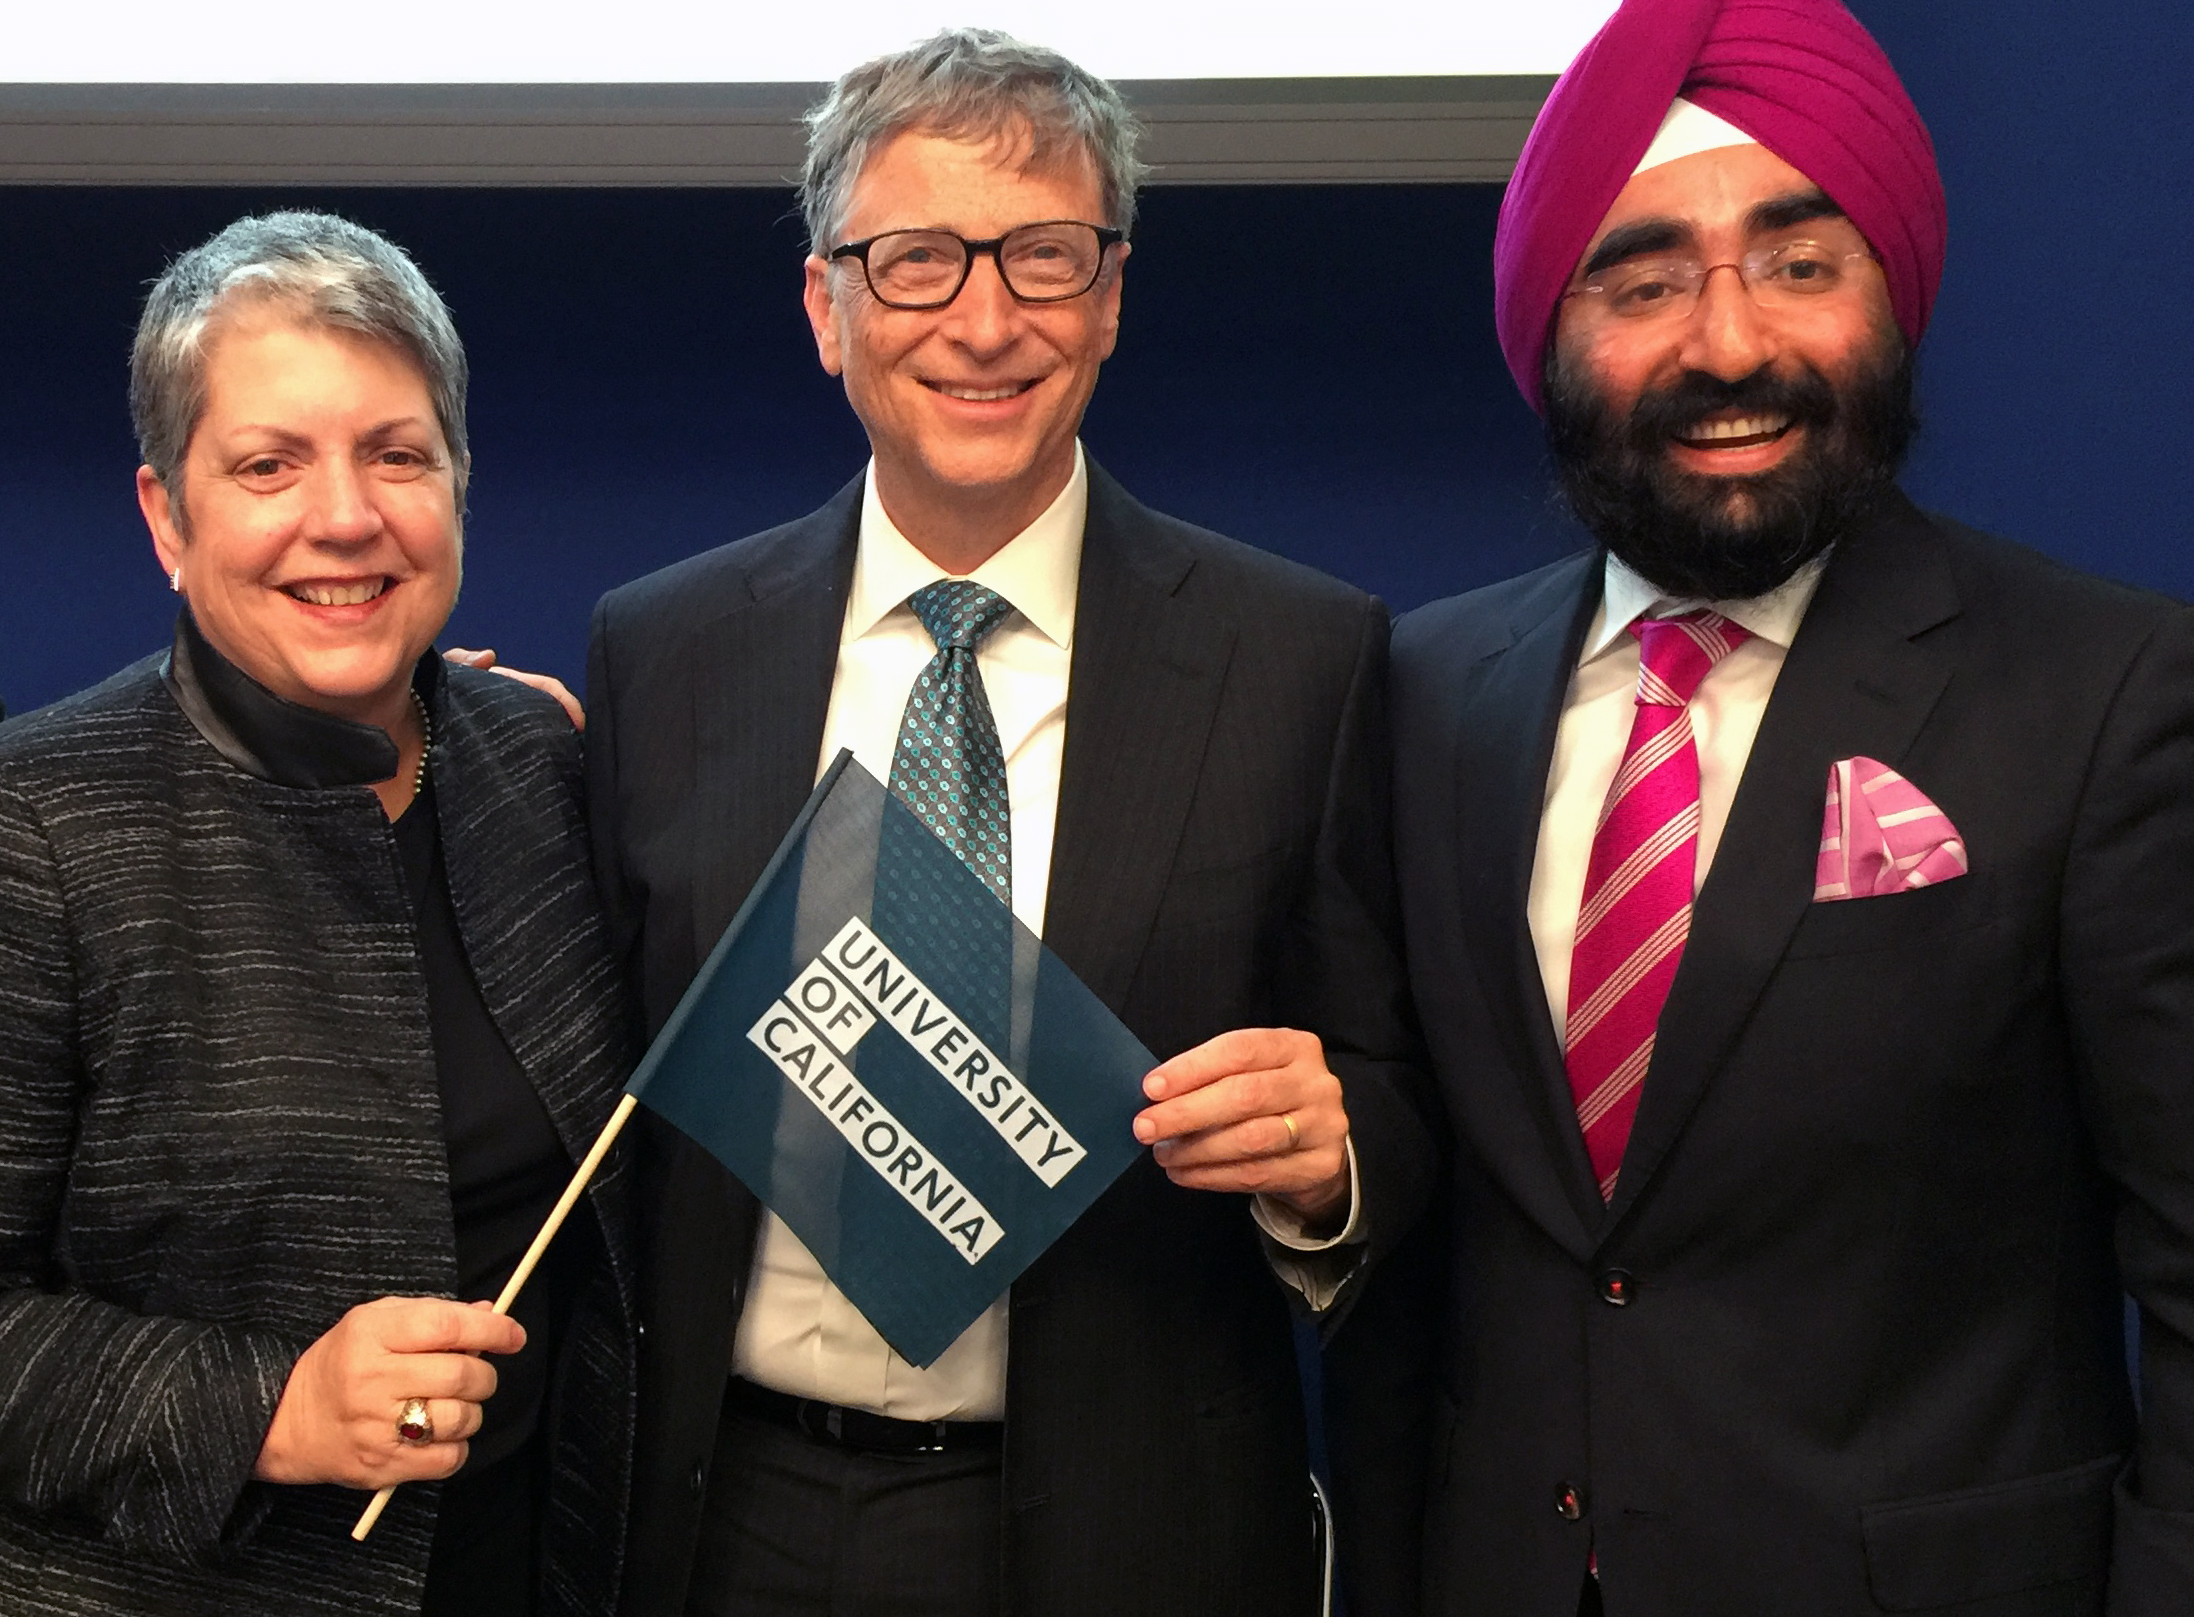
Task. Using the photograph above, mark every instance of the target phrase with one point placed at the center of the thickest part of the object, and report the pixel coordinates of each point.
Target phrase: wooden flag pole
(518, 1276)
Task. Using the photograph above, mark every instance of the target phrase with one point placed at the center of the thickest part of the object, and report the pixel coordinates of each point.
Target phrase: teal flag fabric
(899, 1069)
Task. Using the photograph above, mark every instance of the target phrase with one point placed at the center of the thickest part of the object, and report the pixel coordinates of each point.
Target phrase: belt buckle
(821, 1421)
(939, 1437)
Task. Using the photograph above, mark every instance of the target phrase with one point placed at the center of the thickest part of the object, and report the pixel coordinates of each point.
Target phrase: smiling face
(1718, 443)
(316, 525)
(971, 409)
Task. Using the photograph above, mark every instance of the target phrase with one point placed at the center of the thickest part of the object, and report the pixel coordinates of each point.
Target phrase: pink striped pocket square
(1882, 835)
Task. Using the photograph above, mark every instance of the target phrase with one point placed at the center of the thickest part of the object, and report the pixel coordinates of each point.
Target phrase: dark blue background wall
(645, 384)
(2055, 380)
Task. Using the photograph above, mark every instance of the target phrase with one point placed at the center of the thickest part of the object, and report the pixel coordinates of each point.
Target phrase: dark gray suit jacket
(220, 1128)
(1895, 1156)
(1220, 862)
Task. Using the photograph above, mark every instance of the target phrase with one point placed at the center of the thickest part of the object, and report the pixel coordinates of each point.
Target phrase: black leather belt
(859, 1428)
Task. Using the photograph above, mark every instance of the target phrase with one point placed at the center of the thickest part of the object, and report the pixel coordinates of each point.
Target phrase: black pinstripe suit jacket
(1896, 1161)
(220, 1129)
(1220, 862)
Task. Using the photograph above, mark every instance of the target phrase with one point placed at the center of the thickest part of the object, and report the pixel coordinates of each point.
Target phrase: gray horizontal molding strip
(1270, 131)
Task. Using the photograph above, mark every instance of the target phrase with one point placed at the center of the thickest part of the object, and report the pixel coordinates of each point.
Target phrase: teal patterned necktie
(948, 766)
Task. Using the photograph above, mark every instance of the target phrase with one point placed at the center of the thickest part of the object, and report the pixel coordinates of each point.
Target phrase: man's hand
(1223, 1114)
(548, 683)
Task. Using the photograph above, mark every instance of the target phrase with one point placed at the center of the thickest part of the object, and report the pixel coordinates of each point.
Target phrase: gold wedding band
(1294, 1134)
(413, 1424)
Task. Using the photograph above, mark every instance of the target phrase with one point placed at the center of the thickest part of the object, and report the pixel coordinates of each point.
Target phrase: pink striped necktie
(1637, 900)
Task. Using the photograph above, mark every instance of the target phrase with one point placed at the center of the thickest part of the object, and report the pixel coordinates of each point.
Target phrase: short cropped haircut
(328, 273)
(968, 84)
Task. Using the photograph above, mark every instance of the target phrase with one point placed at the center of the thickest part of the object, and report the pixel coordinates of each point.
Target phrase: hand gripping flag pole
(520, 1275)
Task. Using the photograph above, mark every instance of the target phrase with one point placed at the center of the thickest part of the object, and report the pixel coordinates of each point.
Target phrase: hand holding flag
(1255, 1110)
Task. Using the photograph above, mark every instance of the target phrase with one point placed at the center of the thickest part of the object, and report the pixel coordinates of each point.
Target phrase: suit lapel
(761, 693)
(1504, 752)
(1143, 689)
(1861, 678)
(761, 677)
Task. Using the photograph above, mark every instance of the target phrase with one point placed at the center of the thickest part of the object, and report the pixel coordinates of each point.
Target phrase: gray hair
(333, 274)
(974, 84)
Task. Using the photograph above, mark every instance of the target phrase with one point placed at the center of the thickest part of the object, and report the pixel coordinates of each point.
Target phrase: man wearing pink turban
(1797, 889)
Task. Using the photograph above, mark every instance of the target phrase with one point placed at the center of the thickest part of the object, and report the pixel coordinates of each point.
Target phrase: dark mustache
(1804, 395)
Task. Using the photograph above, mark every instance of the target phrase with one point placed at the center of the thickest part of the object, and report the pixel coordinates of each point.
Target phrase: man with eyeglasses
(1796, 890)
(1167, 751)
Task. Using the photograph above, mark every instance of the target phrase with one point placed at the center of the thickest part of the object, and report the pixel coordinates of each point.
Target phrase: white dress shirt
(1595, 732)
(798, 1333)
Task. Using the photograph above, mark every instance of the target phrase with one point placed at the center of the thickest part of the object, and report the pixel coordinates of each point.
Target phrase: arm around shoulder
(619, 908)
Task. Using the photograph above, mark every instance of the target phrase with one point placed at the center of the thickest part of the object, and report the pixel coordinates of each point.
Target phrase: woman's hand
(337, 1418)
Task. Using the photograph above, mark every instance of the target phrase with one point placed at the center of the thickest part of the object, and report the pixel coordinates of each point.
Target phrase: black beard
(1701, 537)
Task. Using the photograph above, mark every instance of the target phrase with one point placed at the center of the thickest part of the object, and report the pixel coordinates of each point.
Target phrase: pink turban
(1801, 77)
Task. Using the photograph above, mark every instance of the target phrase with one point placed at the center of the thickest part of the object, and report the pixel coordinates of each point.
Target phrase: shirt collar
(1038, 569)
(1773, 617)
(272, 737)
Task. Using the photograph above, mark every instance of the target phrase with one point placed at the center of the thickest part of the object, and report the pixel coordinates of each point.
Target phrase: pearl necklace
(426, 744)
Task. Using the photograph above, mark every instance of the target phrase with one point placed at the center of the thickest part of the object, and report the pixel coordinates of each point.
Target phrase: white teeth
(339, 594)
(1746, 426)
(981, 395)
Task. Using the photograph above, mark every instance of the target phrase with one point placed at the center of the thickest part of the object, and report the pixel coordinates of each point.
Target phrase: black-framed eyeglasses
(1046, 262)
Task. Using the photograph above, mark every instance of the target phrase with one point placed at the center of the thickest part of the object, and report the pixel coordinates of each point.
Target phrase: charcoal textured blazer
(1220, 862)
(220, 1129)
(1895, 1157)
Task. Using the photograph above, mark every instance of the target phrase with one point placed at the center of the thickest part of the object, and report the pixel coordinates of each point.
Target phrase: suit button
(700, 1478)
(1617, 1288)
(1570, 1501)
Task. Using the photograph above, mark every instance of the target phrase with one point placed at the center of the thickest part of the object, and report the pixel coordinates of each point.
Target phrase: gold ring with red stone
(413, 1424)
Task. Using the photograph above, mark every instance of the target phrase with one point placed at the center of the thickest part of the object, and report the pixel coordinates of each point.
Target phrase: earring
(175, 581)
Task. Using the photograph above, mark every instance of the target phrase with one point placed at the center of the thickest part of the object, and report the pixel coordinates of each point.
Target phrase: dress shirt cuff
(1285, 1225)
(1316, 1267)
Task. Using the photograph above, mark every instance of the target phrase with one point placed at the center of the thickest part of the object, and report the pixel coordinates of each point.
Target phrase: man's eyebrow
(1639, 236)
(1667, 235)
(1788, 212)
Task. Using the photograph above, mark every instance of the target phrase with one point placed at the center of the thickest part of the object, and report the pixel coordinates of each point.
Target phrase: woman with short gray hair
(334, 275)
(306, 1010)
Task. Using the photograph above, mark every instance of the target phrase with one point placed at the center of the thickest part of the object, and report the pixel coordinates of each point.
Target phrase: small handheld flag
(897, 1067)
